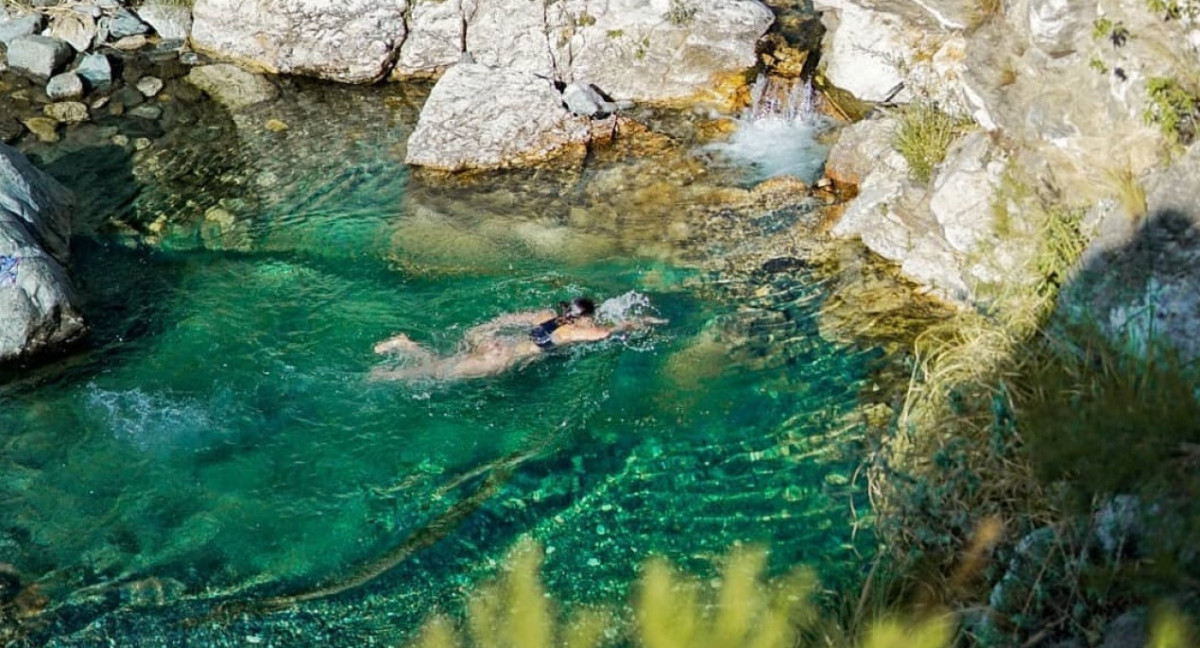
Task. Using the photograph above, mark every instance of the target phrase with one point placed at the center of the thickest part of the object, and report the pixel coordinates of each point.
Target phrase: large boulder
(14, 25)
(170, 21)
(642, 50)
(480, 117)
(942, 236)
(352, 41)
(37, 310)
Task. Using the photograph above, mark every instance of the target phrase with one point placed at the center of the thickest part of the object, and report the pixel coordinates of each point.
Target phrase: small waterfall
(777, 134)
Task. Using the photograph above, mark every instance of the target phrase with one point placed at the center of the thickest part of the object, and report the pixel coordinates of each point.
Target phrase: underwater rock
(37, 309)
(353, 41)
(232, 86)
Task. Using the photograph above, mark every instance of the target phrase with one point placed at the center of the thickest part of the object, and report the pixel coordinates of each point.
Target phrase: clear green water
(216, 440)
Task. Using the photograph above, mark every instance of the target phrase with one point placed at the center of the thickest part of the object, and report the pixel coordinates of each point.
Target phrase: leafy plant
(923, 135)
(1174, 108)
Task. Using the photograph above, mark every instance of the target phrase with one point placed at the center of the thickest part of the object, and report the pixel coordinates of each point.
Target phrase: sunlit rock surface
(655, 51)
(37, 310)
(352, 41)
(479, 117)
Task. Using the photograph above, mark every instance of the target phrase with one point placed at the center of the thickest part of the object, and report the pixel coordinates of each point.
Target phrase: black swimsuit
(543, 334)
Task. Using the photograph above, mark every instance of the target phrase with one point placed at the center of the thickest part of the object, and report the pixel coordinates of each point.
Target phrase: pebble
(71, 112)
(130, 43)
(146, 111)
(120, 140)
(44, 128)
(150, 86)
(593, 562)
(67, 85)
(141, 143)
(276, 125)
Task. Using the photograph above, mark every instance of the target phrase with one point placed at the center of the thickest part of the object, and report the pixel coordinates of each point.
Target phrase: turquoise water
(216, 440)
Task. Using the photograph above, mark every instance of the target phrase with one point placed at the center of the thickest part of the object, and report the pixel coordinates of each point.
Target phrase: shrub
(923, 135)
(1173, 108)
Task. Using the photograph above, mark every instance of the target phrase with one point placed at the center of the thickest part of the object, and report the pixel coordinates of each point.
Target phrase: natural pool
(216, 439)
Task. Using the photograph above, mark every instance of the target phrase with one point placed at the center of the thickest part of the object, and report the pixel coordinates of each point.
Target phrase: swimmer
(494, 347)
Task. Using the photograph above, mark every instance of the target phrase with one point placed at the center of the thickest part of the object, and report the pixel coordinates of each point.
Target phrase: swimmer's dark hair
(578, 307)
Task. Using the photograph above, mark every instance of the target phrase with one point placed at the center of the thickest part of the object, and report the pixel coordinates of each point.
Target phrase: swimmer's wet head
(580, 307)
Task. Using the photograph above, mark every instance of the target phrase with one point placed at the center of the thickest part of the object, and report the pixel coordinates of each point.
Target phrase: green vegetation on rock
(923, 135)
(1174, 108)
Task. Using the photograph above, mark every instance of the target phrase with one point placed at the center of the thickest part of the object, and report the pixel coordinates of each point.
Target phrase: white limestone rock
(353, 41)
(480, 117)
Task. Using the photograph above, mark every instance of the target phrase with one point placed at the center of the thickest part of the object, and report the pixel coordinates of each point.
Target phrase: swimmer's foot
(397, 344)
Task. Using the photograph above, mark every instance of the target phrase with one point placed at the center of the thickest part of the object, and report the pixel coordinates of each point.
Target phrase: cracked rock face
(479, 117)
(643, 50)
(353, 41)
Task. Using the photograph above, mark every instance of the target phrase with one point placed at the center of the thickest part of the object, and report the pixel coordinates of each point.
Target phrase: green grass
(1173, 108)
(923, 136)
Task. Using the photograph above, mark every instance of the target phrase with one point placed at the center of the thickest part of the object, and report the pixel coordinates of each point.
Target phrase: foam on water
(777, 134)
(615, 310)
(151, 420)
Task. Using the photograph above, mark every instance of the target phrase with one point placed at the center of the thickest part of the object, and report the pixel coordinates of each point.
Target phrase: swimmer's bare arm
(581, 333)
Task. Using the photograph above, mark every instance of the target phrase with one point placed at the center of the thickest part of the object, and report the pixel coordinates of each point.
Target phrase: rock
(130, 43)
(352, 41)
(232, 86)
(1142, 290)
(125, 24)
(585, 100)
(149, 86)
(961, 204)
(44, 128)
(128, 97)
(1130, 630)
(96, 70)
(40, 56)
(1057, 26)
(170, 21)
(146, 111)
(478, 117)
(75, 27)
(69, 112)
(644, 51)
(1116, 525)
(67, 85)
(37, 310)
(14, 27)
(10, 130)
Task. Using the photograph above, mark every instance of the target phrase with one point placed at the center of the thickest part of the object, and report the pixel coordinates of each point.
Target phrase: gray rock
(146, 111)
(232, 86)
(128, 97)
(1130, 630)
(40, 56)
(67, 85)
(108, 5)
(172, 22)
(149, 86)
(96, 70)
(75, 27)
(352, 41)
(68, 112)
(125, 23)
(16, 26)
(1116, 524)
(37, 309)
(478, 117)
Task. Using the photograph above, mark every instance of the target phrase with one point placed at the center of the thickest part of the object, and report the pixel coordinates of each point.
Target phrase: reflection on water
(217, 442)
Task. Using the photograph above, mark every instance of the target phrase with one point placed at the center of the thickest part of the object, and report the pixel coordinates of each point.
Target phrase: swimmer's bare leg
(401, 343)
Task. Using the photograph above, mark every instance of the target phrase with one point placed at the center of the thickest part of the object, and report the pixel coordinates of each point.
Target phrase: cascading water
(777, 134)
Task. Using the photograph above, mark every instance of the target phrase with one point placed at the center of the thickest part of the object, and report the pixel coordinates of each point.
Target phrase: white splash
(150, 420)
(777, 134)
(615, 310)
